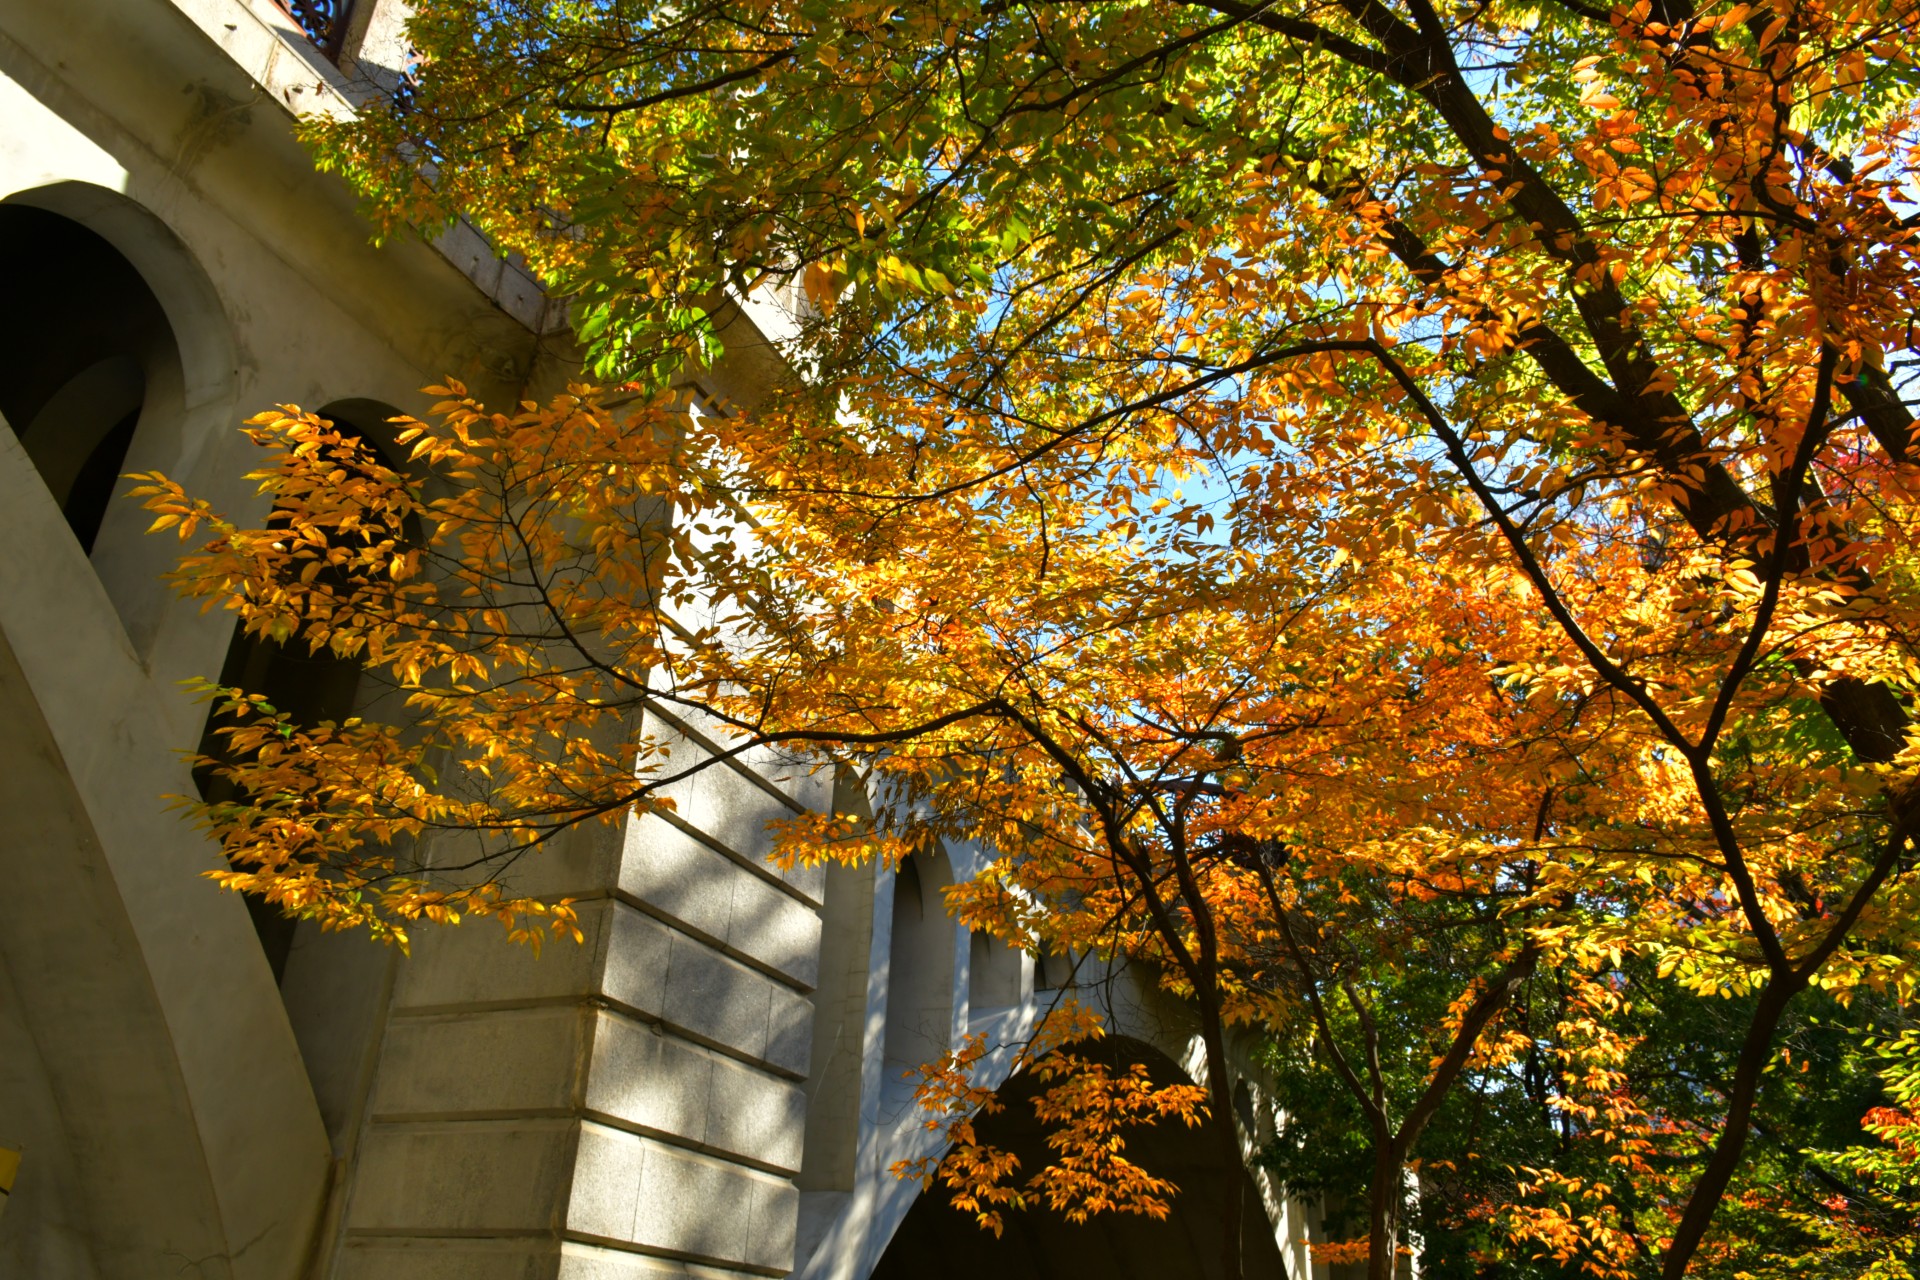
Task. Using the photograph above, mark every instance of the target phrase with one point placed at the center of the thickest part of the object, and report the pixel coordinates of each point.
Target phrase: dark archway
(937, 1242)
(310, 687)
(83, 343)
(920, 956)
(332, 985)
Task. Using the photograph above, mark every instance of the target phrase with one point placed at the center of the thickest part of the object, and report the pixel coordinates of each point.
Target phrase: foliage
(1788, 1211)
(1868, 1223)
(1087, 1102)
(1366, 508)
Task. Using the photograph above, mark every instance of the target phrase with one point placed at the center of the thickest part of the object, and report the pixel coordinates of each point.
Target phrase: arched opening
(993, 976)
(920, 959)
(330, 983)
(86, 352)
(311, 688)
(1053, 970)
(1245, 1113)
(838, 1056)
(937, 1242)
(178, 1091)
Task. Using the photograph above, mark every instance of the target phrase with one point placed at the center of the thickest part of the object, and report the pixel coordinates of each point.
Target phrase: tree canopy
(1395, 516)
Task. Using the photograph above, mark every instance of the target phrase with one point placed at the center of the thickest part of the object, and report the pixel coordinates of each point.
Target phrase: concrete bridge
(709, 1087)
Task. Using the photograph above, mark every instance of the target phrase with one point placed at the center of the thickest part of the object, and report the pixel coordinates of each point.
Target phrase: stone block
(736, 812)
(248, 43)
(657, 1081)
(582, 1261)
(520, 297)
(693, 987)
(484, 1061)
(775, 929)
(756, 1115)
(644, 1077)
(474, 963)
(776, 1213)
(378, 1258)
(730, 807)
(789, 1030)
(469, 251)
(727, 898)
(676, 874)
(807, 784)
(638, 951)
(680, 753)
(695, 1205)
(579, 863)
(470, 1175)
(809, 881)
(717, 998)
(606, 1182)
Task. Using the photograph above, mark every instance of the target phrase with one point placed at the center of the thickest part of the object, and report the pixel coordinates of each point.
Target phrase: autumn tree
(1457, 453)
(1170, 742)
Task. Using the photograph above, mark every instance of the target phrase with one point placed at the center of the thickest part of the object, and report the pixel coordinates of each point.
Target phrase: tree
(1152, 732)
(1458, 452)
(1871, 1214)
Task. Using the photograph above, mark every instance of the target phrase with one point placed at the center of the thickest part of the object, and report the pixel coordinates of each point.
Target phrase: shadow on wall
(938, 1242)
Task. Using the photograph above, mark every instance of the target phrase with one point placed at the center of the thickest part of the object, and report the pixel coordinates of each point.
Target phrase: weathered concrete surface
(176, 1128)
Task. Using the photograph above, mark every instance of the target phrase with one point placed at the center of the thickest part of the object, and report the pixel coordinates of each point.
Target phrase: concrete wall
(624, 1108)
(154, 1077)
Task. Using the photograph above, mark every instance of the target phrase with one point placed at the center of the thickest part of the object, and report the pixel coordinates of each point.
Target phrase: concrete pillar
(631, 1107)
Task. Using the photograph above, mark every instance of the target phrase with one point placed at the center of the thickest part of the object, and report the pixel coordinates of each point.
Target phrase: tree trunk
(1712, 1186)
(1383, 1210)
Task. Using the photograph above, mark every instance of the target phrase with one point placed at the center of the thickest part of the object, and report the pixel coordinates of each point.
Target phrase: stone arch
(174, 1086)
(189, 299)
(995, 980)
(937, 1242)
(316, 687)
(81, 368)
(332, 985)
(1053, 970)
(113, 1147)
(920, 964)
(310, 687)
(372, 421)
(838, 1053)
(1246, 1112)
(116, 355)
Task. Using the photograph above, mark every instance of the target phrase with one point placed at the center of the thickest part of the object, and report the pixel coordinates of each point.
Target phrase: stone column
(627, 1108)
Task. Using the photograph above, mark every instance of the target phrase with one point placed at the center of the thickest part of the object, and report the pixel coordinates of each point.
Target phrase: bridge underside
(937, 1242)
